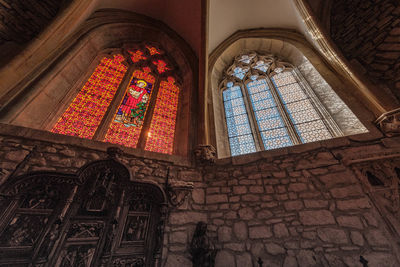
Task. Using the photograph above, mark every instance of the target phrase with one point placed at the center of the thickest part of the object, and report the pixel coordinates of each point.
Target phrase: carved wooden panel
(95, 218)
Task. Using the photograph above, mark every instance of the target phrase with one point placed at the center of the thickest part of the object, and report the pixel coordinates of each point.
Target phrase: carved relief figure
(78, 256)
(136, 228)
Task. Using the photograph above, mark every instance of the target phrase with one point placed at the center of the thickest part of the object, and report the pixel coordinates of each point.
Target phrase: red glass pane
(137, 56)
(160, 137)
(128, 120)
(86, 111)
(161, 66)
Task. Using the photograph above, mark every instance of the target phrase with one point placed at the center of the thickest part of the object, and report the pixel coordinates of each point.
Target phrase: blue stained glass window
(261, 65)
(241, 139)
(306, 120)
(272, 128)
(240, 72)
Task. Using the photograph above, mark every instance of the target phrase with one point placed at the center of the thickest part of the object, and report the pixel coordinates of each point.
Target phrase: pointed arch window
(130, 99)
(269, 105)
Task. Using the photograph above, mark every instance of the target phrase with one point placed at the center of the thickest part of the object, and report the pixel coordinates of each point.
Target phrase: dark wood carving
(97, 217)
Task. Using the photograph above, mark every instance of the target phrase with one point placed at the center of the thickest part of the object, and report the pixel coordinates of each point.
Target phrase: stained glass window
(101, 111)
(160, 137)
(279, 106)
(128, 120)
(239, 132)
(84, 114)
(307, 122)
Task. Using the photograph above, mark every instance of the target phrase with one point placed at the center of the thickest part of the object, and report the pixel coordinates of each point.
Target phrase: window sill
(297, 149)
(45, 136)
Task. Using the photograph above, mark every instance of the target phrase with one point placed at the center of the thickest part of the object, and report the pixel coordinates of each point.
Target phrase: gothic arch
(61, 74)
(292, 47)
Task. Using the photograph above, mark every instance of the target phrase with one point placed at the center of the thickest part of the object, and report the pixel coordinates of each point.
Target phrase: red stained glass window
(160, 137)
(161, 66)
(128, 120)
(84, 114)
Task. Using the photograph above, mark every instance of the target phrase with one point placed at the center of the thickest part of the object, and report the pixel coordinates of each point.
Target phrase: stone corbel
(177, 191)
(389, 122)
(205, 154)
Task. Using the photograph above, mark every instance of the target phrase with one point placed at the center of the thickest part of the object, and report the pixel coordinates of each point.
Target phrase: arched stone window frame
(248, 61)
(354, 117)
(171, 71)
(59, 74)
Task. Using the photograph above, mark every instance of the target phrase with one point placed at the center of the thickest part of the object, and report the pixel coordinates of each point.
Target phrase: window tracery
(131, 99)
(269, 105)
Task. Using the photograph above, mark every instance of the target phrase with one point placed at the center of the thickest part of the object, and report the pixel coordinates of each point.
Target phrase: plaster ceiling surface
(228, 16)
(183, 16)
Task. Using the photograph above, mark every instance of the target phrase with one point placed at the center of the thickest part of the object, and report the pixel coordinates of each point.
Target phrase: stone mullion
(252, 118)
(149, 114)
(294, 136)
(109, 115)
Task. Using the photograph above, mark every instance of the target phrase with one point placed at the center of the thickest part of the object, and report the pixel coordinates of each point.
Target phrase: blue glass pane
(261, 65)
(307, 121)
(240, 136)
(240, 72)
(273, 130)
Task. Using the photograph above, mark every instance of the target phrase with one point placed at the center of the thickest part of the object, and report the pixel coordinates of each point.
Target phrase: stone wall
(368, 33)
(305, 206)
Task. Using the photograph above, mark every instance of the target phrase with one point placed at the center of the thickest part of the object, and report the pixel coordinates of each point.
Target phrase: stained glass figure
(272, 128)
(84, 114)
(128, 120)
(160, 137)
(241, 139)
(307, 121)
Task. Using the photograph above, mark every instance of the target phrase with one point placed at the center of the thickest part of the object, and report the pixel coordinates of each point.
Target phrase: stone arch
(60, 75)
(292, 47)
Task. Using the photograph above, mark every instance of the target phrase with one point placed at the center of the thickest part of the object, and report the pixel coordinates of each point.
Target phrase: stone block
(190, 176)
(350, 221)
(251, 198)
(274, 249)
(334, 179)
(213, 199)
(187, 217)
(240, 230)
(240, 189)
(376, 238)
(223, 259)
(264, 214)
(348, 191)
(244, 260)
(307, 258)
(16, 156)
(290, 261)
(353, 204)
(256, 189)
(280, 230)
(312, 204)
(293, 205)
(224, 234)
(257, 232)
(174, 260)
(331, 235)
(246, 213)
(198, 196)
(239, 247)
(316, 217)
(178, 237)
(357, 238)
(297, 187)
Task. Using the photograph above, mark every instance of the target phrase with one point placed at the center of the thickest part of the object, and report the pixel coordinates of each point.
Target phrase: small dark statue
(201, 248)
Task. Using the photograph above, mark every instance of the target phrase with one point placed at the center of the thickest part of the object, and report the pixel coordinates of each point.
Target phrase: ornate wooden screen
(98, 218)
